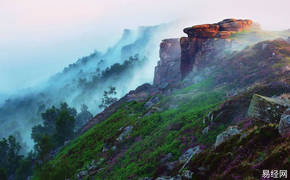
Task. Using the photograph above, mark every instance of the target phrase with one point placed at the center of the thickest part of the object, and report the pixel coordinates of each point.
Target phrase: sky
(38, 38)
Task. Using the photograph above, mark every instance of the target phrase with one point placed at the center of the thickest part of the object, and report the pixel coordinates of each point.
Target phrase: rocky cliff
(167, 70)
(204, 45)
(207, 43)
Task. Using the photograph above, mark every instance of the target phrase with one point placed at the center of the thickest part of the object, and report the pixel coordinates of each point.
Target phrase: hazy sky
(40, 37)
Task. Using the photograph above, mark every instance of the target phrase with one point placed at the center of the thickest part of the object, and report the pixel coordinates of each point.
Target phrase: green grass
(170, 131)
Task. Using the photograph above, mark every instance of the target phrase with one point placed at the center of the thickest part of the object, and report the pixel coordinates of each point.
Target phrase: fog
(39, 38)
(85, 81)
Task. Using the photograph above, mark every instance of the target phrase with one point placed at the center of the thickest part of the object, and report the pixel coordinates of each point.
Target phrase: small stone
(125, 133)
(146, 178)
(187, 174)
(151, 102)
(205, 131)
(231, 131)
(178, 177)
(82, 174)
(189, 154)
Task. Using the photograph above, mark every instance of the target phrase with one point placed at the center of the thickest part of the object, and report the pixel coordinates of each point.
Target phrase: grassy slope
(153, 136)
(171, 130)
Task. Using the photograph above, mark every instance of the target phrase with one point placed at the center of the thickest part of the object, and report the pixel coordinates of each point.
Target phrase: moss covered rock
(267, 109)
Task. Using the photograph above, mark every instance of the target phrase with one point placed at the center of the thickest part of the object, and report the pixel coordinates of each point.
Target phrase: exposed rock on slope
(267, 109)
(205, 43)
(226, 135)
(167, 70)
(284, 124)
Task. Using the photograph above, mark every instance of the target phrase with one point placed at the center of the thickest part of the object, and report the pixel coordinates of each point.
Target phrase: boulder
(187, 174)
(178, 177)
(92, 165)
(82, 174)
(146, 178)
(267, 109)
(205, 130)
(91, 169)
(152, 101)
(284, 124)
(227, 134)
(189, 154)
(125, 133)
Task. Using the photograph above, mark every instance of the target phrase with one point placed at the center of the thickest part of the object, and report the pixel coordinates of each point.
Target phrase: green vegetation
(153, 136)
(83, 117)
(58, 127)
(11, 162)
(107, 98)
(114, 71)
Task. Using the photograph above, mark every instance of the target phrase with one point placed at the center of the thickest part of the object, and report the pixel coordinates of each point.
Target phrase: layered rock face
(167, 70)
(206, 43)
(223, 29)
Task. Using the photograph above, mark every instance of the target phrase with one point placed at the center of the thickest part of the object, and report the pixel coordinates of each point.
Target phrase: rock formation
(206, 42)
(223, 29)
(267, 109)
(284, 124)
(231, 131)
(167, 70)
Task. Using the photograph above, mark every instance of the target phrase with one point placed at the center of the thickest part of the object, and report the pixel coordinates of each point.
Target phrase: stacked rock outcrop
(206, 42)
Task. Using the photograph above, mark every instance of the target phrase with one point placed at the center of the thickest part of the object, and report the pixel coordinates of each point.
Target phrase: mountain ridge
(193, 117)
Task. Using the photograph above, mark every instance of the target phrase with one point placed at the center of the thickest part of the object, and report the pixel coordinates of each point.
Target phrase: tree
(83, 117)
(37, 132)
(64, 127)
(64, 107)
(107, 99)
(58, 126)
(13, 154)
(43, 147)
(10, 158)
(25, 168)
(4, 147)
(49, 118)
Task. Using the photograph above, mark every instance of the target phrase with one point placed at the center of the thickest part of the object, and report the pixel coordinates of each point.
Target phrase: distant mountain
(126, 65)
